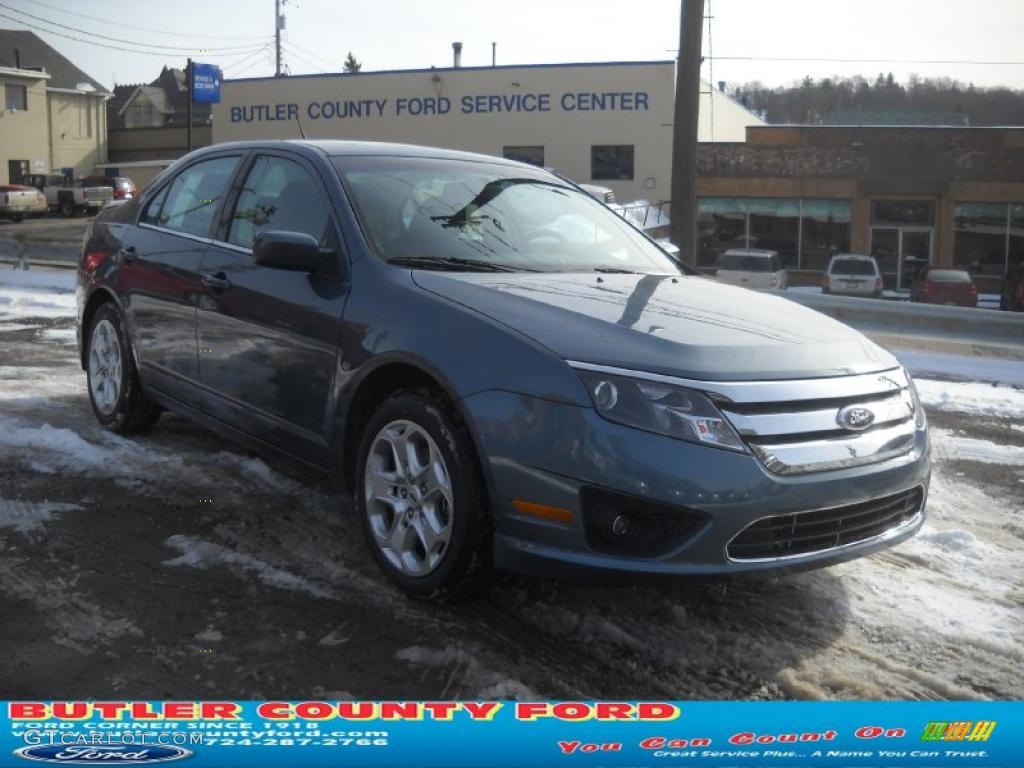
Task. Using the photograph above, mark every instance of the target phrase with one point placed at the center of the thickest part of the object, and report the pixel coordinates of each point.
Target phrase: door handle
(218, 281)
(128, 255)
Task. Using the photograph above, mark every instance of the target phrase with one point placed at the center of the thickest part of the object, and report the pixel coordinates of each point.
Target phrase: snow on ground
(972, 397)
(959, 367)
(205, 554)
(952, 446)
(33, 293)
(28, 517)
(470, 677)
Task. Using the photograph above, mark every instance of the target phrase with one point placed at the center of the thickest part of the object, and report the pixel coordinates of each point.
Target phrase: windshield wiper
(454, 264)
(616, 271)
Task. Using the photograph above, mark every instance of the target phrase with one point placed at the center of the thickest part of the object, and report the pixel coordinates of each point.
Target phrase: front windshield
(453, 214)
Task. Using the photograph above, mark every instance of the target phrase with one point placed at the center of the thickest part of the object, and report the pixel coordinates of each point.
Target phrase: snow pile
(196, 553)
(965, 367)
(39, 280)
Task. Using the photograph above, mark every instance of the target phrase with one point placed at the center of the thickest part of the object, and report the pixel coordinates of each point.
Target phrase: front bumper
(547, 453)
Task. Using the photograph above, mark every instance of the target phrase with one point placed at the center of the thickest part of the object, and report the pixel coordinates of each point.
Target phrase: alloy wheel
(105, 375)
(409, 498)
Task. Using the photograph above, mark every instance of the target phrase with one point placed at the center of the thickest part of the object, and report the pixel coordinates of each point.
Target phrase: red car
(936, 285)
(124, 188)
(1012, 299)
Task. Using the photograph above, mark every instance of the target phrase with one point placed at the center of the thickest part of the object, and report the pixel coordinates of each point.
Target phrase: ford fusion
(503, 372)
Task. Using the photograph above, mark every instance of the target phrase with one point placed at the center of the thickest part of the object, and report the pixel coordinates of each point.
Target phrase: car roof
(337, 148)
(750, 252)
(857, 256)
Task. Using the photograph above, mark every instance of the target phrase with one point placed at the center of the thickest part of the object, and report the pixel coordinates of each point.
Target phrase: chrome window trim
(850, 387)
(186, 235)
(884, 536)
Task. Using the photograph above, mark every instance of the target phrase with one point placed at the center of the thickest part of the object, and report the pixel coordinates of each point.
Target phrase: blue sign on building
(206, 83)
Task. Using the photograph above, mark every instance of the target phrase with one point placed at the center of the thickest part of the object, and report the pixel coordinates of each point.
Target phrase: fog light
(620, 525)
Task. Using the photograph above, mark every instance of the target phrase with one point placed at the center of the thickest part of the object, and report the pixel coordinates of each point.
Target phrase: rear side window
(739, 262)
(776, 264)
(853, 267)
(278, 194)
(194, 195)
(947, 276)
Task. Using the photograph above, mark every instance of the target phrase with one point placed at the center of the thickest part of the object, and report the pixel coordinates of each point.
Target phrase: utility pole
(684, 130)
(277, 36)
(188, 109)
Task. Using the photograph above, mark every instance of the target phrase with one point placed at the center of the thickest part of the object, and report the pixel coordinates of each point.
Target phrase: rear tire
(18, 218)
(67, 209)
(421, 499)
(115, 393)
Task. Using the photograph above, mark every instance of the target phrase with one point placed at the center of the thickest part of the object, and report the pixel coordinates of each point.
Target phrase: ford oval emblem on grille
(105, 755)
(855, 418)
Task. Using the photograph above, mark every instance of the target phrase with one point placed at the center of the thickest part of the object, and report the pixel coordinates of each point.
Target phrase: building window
(611, 162)
(902, 213)
(531, 155)
(988, 237)
(805, 233)
(15, 97)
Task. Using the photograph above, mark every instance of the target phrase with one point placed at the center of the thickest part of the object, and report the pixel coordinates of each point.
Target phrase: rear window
(947, 276)
(737, 262)
(853, 267)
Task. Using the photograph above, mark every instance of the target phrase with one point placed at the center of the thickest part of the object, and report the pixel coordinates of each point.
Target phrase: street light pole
(684, 131)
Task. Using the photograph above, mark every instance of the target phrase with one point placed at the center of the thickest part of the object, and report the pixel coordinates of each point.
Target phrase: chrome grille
(805, 533)
(792, 433)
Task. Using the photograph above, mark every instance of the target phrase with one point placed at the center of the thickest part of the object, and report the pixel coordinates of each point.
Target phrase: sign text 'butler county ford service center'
(470, 104)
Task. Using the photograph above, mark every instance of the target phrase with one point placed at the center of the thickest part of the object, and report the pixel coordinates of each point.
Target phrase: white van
(752, 268)
(852, 274)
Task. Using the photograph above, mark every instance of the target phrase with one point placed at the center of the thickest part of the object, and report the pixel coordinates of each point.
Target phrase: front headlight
(920, 420)
(666, 409)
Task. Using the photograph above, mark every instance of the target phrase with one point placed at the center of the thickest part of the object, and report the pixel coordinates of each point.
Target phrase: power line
(92, 42)
(247, 57)
(175, 48)
(108, 22)
(246, 68)
(305, 61)
(316, 56)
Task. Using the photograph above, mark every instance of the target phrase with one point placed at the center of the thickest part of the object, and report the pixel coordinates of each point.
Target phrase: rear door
(160, 260)
(268, 338)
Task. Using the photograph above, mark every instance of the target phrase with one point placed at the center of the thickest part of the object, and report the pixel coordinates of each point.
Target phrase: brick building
(910, 196)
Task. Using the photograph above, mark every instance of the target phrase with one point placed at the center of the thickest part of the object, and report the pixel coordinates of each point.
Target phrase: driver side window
(278, 194)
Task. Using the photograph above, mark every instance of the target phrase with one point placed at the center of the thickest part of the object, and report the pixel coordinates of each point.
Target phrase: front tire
(67, 209)
(115, 393)
(421, 499)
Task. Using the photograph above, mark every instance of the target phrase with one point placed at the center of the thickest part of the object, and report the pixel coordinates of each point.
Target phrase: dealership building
(607, 123)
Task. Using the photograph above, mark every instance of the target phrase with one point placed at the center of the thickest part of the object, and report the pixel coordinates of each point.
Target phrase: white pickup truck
(67, 197)
(17, 202)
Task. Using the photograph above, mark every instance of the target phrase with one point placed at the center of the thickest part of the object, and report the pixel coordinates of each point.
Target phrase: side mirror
(296, 251)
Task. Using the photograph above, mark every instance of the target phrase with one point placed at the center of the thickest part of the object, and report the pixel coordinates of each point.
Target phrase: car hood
(690, 327)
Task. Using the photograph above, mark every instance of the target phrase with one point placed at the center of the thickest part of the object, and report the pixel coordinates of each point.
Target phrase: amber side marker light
(557, 514)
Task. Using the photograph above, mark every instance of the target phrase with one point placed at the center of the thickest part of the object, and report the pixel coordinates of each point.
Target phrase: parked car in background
(124, 188)
(1012, 297)
(503, 372)
(852, 274)
(68, 198)
(938, 285)
(18, 201)
(752, 268)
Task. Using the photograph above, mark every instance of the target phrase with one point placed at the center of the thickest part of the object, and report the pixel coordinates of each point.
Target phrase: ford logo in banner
(123, 755)
(855, 418)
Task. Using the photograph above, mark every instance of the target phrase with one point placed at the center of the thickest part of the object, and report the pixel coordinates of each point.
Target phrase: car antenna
(302, 133)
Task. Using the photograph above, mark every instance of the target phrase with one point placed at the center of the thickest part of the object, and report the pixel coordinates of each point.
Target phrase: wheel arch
(387, 377)
(102, 295)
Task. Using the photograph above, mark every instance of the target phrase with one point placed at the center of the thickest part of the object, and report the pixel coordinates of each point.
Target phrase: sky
(743, 38)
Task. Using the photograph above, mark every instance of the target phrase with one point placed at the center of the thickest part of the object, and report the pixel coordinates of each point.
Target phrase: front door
(901, 252)
(268, 338)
